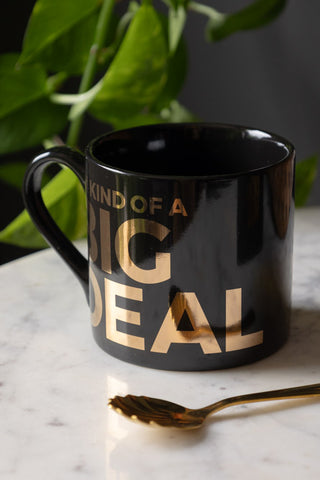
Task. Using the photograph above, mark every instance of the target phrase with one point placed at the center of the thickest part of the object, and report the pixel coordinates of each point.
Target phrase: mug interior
(192, 149)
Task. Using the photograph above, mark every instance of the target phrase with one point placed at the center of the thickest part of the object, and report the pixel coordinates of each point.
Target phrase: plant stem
(90, 68)
(205, 10)
(74, 98)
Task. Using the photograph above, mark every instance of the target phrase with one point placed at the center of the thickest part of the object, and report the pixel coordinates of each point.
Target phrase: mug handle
(40, 215)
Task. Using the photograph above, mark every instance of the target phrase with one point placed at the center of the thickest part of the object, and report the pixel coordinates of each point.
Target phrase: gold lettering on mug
(92, 191)
(92, 238)
(105, 196)
(234, 338)
(162, 270)
(118, 199)
(105, 240)
(115, 313)
(143, 204)
(96, 315)
(155, 203)
(178, 207)
(138, 203)
(201, 333)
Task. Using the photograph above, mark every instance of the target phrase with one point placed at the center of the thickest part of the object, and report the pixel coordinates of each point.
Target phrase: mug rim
(246, 131)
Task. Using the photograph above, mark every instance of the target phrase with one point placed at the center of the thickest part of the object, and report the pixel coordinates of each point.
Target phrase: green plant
(131, 68)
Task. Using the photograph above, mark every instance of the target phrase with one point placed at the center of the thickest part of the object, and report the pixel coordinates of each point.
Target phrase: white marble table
(55, 383)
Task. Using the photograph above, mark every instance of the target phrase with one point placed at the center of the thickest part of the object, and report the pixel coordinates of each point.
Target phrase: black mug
(190, 232)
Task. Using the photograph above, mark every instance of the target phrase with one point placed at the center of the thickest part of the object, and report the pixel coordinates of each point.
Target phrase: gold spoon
(154, 411)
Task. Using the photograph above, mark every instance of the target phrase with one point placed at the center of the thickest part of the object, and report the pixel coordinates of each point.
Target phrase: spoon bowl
(154, 411)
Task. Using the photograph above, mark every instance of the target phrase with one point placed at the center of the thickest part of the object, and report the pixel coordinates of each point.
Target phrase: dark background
(267, 78)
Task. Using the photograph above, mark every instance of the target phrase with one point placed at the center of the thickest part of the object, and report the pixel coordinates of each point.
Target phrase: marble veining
(55, 382)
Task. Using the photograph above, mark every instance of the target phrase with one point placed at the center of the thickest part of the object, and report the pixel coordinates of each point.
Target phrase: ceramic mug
(190, 230)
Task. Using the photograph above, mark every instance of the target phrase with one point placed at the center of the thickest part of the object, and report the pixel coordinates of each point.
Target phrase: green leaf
(26, 115)
(177, 113)
(306, 172)
(176, 22)
(31, 124)
(176, 74)
(138, 72)
(173, 113)
(255, 15)
(69, 52)
(19, 86)
(50, 20)
(65, 199)
(13, 173)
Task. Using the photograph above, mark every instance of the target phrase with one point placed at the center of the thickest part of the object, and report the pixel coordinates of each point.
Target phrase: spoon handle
(282, 394)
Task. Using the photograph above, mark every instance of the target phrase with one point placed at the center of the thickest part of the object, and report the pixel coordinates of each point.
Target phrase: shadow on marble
(302, 349)
(299, 357)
